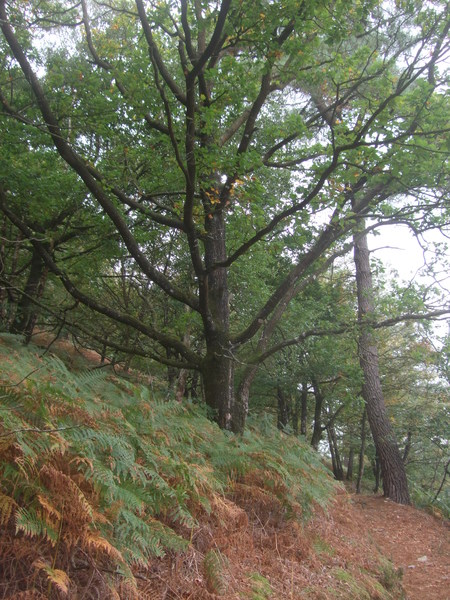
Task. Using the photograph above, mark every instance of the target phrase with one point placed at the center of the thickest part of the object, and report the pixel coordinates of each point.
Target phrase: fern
(56, 577)
(214, 565)
(7, 504)
(88, 463)
(261, 588)
(35, 525)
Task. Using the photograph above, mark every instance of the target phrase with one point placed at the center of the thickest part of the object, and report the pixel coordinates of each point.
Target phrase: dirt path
(415, 541)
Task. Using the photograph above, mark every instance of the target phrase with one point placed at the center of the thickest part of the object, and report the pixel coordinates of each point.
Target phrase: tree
(395, 484)
(235, 132)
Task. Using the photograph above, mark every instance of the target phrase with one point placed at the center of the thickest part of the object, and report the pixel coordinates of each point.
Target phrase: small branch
(12, 385)
(443, 480)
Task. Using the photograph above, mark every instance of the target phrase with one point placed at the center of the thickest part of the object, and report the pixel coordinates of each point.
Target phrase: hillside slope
(418, 543)
(109, 492)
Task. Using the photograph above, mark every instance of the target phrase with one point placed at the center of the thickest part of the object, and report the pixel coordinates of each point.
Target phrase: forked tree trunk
(338, 470)
(395, 484)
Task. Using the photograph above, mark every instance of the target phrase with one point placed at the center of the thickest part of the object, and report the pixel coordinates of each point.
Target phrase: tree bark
(284, 409)
(336, 462)
(240, 410)
(317, 430)
(362, 450)
(407, 447)
(25, 317)
(395, 484)
(218, 367)
(351, 458)
(376, 466)
(304, 409)
(218, 383)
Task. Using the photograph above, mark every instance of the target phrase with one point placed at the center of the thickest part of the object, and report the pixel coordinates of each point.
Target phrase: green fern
(214, 565)
(261, 588)
(34, 525)
(135, 480)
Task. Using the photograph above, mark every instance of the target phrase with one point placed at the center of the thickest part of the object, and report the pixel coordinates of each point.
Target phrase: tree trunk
(338, 471)
(218, 368)
(181, 385)
(218, 383)
(304, 409)
(240, 410)
(351, 458)
(317, 430)
(407, 447)
(25, 317)
(395, 485)
(296, 413)
(376, 466)
(362, 450)
(284, 409)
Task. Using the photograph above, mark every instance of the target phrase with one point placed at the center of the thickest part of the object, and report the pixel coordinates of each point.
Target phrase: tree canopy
(182, 171)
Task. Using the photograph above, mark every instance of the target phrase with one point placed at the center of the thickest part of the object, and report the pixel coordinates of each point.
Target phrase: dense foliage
(180, 182)
(100, 477)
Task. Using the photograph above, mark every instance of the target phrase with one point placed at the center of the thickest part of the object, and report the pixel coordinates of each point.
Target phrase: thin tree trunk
(25, 317)
(296, 412)
(362, 450)
(284, 409)
(317, 430)
(240, 409)
(377, 474)
(395, 484)
(181, 385)
(407, 447)
(183, 374)
(338, 471)
(443, 481)
(351, 458)
(304, 409)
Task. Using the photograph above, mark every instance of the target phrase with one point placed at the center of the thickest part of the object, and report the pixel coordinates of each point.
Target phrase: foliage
(222, 155)
(91, 471)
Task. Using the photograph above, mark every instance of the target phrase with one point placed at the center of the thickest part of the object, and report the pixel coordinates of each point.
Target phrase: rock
(422, 559)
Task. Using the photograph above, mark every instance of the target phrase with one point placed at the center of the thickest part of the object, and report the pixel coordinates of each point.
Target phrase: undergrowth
(98, 478)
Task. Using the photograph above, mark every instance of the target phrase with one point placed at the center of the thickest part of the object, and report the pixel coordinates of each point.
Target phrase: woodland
(189, 191)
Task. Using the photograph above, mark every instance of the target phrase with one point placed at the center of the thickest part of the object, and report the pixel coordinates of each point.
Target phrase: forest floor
(416, 542)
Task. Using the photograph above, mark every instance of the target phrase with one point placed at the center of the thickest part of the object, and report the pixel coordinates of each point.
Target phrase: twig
(26, 377)
(443, 480)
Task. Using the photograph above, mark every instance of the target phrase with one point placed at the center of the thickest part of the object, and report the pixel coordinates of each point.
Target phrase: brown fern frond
(94, 542)
(56, 577)
(7, 504)
(51, 511)
(77, 509)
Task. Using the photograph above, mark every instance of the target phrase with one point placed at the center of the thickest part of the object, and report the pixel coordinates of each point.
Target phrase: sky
(400, 251)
